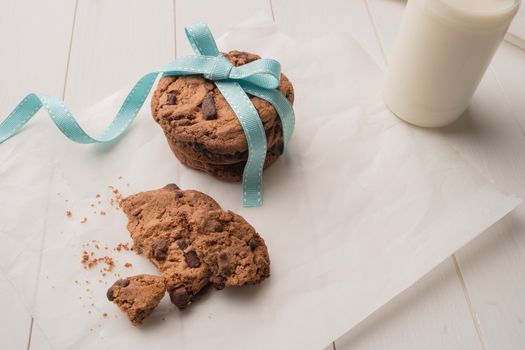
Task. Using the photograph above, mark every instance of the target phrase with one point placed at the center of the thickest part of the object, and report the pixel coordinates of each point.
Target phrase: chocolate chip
(192, 259)
(223, 263)
(180, 297)
(172, 187)
(182, 244)
(110, 294)
(160, 250)
(218, 282)
(120, 283)
(208, 107)
(171, 99)
(123, 282)
(252, 243)
(199, 147)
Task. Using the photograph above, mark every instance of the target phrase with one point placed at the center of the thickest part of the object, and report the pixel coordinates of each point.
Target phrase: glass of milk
(442, 51)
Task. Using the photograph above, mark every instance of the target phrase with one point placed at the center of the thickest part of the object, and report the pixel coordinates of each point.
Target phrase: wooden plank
(489, 137)
(516, 34)
(15, 320)
(35, 43)
(493, 265)
(112, 46)
(386, 16)
(190, 11)
(39, 340)
(114, 43)
(447, 298)
(431, 315)
(304, 20)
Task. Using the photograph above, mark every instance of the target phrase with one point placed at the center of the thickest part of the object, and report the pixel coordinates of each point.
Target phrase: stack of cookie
(202, 129)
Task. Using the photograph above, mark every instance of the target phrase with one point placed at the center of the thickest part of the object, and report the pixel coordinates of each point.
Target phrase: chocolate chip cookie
(194, 243)
(137, 296)
(197, 120)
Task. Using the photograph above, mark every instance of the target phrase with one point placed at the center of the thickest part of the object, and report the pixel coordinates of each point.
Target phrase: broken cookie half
(194, 242)
(137, 296)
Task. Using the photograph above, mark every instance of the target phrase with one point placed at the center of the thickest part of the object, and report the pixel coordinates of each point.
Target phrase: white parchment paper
(360, 208)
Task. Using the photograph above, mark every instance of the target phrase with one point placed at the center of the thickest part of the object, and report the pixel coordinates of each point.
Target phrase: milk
(442, 51)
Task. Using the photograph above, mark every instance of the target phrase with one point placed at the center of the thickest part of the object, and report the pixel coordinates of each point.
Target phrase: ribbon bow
(258, 78)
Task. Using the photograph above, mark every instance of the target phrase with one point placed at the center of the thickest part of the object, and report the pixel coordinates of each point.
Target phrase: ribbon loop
(259, 78)
(201, 39)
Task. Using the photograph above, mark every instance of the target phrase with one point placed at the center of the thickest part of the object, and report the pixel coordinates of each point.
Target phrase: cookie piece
(137, 296)
(194, 243)
(227, 172)
(200, 113)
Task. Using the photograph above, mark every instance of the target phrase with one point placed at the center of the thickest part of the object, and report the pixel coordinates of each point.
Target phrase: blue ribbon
(259, 78)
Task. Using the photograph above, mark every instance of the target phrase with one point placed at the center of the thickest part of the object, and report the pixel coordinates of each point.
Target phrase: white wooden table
(83, 50)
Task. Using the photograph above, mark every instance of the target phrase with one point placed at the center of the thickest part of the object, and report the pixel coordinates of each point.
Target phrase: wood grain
(35, 43)
(490, 137)
(190, 11)
(327, 18)
(431, 315)
(113, 43)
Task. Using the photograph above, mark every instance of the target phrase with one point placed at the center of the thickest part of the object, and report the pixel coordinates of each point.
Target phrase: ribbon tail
(255, 136)
(280, 103)
(65, 121)
(19, 117)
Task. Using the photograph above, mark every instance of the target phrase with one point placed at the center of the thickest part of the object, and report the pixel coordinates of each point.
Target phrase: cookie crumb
(103, 213)
(69, 213)
(122, 246)
(120, 177)
(128, 265)
(117, 196)
(97, 196)
(105, 314)
(83, 221)
(89, 260)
